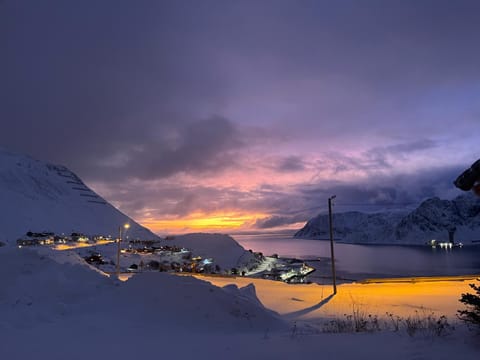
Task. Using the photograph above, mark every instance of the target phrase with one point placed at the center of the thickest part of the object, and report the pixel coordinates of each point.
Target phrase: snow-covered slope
(38, 196)
(38, 290)
(353, 226)
(222, 248)
(433, 219)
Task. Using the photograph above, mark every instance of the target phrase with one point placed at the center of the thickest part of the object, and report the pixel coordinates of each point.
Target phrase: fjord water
(357, 262)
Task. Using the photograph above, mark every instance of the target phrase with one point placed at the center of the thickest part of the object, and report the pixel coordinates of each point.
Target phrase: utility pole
(125, 226)
(332, 256)
(117, 269)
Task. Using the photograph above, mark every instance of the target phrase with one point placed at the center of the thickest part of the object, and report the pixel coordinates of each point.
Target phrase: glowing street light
(126, 227)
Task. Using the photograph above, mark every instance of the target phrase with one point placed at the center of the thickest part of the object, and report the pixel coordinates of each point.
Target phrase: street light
(126, 227)
(330, 220)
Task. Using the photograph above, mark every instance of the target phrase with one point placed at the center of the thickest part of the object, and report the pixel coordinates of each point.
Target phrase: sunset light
(204, 222)
(256, 179)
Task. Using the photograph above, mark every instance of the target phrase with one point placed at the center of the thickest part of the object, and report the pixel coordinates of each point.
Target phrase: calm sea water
(356, 262)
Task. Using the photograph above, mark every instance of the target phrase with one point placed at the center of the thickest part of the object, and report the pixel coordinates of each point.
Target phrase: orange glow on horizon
(204, 222)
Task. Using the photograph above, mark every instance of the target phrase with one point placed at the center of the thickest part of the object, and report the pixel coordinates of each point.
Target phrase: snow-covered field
(55, 306)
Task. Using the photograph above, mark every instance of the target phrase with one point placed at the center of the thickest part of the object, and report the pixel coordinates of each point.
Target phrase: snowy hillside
(354, 226)
(433, 219)
(41, 291)
(222, 248)
(38, 196)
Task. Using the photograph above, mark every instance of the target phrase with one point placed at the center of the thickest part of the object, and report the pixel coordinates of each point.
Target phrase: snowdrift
(39, 290)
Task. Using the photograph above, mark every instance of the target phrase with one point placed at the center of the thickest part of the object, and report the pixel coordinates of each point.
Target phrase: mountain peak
(39, 196)
(434, 218)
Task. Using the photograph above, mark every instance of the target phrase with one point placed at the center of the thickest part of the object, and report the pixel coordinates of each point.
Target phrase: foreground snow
(64, 309)
(160, 342)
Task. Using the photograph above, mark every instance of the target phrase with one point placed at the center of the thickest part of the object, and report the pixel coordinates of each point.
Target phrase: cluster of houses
(169, 258)
(50, 238)
(149, 247)
(194, 265)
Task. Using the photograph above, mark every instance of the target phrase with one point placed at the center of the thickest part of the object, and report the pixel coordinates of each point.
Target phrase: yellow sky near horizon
(201, 222)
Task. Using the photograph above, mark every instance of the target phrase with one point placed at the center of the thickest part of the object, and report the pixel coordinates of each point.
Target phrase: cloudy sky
(243, 115)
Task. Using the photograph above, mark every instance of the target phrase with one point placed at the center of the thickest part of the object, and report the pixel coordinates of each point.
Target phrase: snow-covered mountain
(433, 219)
(37, 196)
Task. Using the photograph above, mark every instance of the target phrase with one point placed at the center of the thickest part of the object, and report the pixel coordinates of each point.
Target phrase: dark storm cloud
(405, 148)
(276, 221)
(346, 69)
(374, 160)
(127, 93)
(384, 193)
(339, 163)
(290, 164)
(382, 156)
(95, 79)
(193, 147)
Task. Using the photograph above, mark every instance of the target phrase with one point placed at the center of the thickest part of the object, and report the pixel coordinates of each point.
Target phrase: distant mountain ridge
(39, 196)
(433, 219)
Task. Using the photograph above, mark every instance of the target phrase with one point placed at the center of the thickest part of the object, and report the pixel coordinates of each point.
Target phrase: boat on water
(444, 244)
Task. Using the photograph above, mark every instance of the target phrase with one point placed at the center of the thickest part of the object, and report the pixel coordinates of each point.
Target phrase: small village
(137, 256)
(50, 238)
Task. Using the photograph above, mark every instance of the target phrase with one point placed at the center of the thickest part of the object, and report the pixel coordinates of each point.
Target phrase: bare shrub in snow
(421, 323)
(393, 322)
(427, 324)
(358, 321)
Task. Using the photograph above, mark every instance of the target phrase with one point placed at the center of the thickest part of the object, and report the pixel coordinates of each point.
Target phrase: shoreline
(472, 243)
